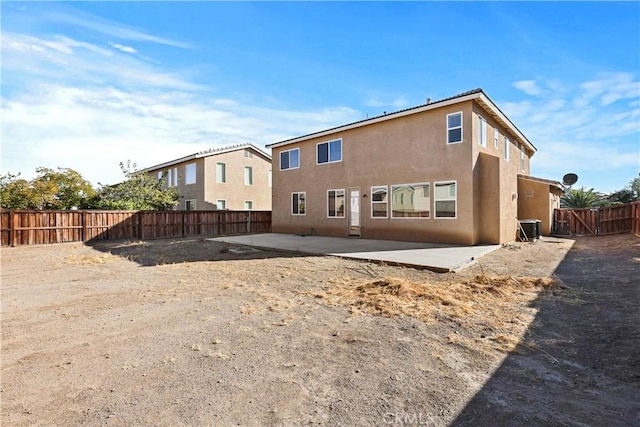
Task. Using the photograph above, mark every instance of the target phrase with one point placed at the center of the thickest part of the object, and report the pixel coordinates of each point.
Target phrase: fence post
(249, 222)
(83, 238)
(11, 229)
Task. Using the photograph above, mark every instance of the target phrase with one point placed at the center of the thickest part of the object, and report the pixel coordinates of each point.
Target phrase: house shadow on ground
(579, 363)
(182, 250)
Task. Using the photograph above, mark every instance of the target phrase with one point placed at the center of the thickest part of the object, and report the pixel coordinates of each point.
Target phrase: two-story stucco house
(446, 171)
(235, 178)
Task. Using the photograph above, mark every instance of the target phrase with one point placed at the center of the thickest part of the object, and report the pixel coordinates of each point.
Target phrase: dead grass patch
(91, 259)
(493, 310)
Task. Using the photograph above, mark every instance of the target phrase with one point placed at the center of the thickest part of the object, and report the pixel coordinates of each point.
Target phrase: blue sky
(86, 85)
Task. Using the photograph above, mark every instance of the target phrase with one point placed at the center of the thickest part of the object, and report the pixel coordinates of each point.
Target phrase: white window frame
(436, 200)
(427, 184)
(248, 181)
(248, 154)
(482, 131)
(385, 202)
(522, 158)
(328, 143)
(450, 128)
(187, 180)
(160, 175)
(507, 148)
(288, 151)
(248, 205)
(191, 202)
(224, 203)
(344, 203)
(175, 177)
(298, 193)
(496, 138)
(221, 172)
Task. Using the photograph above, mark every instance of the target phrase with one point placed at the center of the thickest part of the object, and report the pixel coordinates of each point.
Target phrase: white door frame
(355, 211)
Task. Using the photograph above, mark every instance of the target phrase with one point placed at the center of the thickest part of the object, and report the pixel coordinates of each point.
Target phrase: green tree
(15, 192)
(581, 198)
(51, 189)
(139, 191)
(634, 185)
(61, 189)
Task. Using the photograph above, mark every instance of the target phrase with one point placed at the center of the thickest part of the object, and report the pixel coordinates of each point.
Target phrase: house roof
(211, 152)
(542, 180)
(476, 94)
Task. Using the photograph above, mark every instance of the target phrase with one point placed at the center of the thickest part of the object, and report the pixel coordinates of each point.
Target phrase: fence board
(23, 227)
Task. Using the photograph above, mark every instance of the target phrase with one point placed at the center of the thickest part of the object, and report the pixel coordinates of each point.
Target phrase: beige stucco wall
(234, 191)
(205, 191)
(537, 200)
(404, 150)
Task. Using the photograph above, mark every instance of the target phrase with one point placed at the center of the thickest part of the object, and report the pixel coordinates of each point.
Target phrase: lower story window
(411, 200)
(335, 203)
(248, 205)
(379, 202)
(298, 203)
(446, 199)
(221, 204)
(190, 205)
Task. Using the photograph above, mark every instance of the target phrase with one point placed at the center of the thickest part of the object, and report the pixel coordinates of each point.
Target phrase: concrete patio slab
(437, 257)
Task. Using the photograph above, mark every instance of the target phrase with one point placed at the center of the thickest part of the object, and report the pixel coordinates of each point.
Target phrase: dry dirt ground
(189, 332)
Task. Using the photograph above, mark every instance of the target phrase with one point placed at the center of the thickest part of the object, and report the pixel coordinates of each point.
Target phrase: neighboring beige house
(446, 171)
(235, 178)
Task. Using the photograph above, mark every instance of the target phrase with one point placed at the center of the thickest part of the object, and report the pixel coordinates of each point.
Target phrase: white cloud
(587, 129)
(530, 87)
(92, 129)
(127, 49)
(109, 28)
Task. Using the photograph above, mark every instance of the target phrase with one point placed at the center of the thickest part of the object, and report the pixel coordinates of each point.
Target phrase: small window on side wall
(221, 204)
(190, 205)
(454, 128)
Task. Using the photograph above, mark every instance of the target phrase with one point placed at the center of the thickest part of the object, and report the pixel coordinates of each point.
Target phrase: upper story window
(248, 154)
(454, 128)
(248, 175)
(221, 172)
(330, 152)
(290, 159)
(496, 137)
(160, 175)
(482, 131)
(522, 157)
(190, 173)
(507, 145)
(172, 177)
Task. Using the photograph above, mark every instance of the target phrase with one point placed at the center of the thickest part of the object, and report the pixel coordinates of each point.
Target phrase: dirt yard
(192, 332)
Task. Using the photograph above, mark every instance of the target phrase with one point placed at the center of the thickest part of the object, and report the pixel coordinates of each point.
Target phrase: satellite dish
(570, 179)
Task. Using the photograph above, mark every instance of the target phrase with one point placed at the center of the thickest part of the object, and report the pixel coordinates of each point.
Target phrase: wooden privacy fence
(610, 220)
(28, 227)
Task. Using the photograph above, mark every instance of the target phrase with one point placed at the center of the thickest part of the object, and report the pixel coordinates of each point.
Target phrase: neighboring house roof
(211, 152)
(476, 94)
(542, 180)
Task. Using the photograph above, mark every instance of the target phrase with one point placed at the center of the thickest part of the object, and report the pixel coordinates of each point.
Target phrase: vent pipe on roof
(428, 101)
